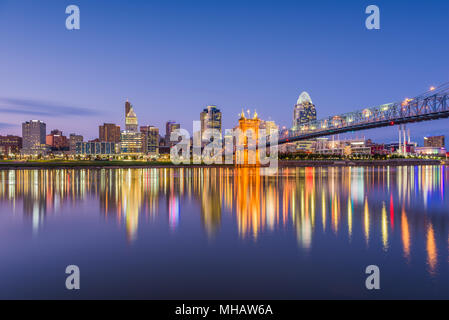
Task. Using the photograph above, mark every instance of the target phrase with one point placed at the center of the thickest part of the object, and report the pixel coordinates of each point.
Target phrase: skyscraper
(131, 138)
(210, 119)
(130, 118)
(170, 126)
(127, 107)
(73, 140)
(304, 111)
(33, 137)
(109, 132)
(150, 138)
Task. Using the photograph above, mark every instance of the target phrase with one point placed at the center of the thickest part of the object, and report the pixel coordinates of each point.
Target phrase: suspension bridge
(431, 105)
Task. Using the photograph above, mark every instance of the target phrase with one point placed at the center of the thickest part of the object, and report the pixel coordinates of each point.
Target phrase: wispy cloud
(41, 108)
(4, 125)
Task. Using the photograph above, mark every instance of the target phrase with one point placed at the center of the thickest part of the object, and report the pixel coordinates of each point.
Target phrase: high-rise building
(109, 132)
(150, 139)
(269, 126)
(10, 144)
(57, 141)
(170, 126)
(210, 119)
(131, 139)
(73, 140)
(33, 137)
(434, 142)
(130, 118)
(304, 111)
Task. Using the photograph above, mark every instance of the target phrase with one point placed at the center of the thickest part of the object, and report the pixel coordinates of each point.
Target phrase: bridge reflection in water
(382, 207)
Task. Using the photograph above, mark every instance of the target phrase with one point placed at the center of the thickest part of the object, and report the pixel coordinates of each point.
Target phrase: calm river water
(212, 233)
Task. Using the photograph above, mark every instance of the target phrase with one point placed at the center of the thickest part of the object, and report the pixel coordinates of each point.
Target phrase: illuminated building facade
(150, 137)
(269, 126)
(342, 147)
(210, 119)
(96, 148)
(57, 141)
(434, 142)
(33, 137)
(73, 140)
(10, 144)
(304, 111)
(248, 137)
(130, 118)
(109, 132)
(170, 126)
(131, 142)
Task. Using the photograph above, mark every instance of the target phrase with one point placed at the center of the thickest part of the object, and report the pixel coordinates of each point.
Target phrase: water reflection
(352, 204)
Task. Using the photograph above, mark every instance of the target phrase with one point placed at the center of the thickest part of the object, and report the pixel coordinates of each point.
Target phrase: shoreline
(33, 165)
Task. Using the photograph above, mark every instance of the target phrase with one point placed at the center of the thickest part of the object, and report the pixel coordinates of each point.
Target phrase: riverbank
(361, 163)
(73, 164)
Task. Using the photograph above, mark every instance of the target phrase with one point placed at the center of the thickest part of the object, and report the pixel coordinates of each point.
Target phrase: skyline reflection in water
(376, 209)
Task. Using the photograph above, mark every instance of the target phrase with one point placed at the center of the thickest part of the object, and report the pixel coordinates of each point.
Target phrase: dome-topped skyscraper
(304, 111)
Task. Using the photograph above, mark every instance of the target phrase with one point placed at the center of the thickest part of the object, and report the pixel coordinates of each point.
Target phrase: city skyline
(83, 84)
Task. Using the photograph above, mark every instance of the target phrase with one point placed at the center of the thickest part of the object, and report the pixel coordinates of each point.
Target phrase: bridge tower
(247, 153)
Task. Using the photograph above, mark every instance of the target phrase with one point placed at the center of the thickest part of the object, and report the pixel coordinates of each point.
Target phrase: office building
(131, 123)
(96, 148)
(33, 137)
(210, 119)
(73, 140)
(109, 132)
(57, 141)
(150, 140)
(170, 127)
(434, 142)
(304, 110)
(10, 144)
(131, 142)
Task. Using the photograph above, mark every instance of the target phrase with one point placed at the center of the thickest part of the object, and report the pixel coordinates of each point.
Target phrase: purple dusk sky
(173, 58)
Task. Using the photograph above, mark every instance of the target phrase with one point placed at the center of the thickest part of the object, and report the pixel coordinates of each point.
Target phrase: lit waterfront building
(343, 147)
(130, 118)
(131, 139)
(170, 127)
(73, 140)
(33, 137)
(434, 142)
(109, 132)
(304, 111)
(96, 148)
(10, 144)
(210, 119)
(57, 141)
(150, 137)
(269, 126)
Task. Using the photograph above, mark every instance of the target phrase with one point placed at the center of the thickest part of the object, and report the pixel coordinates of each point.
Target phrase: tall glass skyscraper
(304, 111)
(210, 119)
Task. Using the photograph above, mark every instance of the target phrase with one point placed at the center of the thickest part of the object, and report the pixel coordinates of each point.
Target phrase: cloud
(41, 108)
(4, 125)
